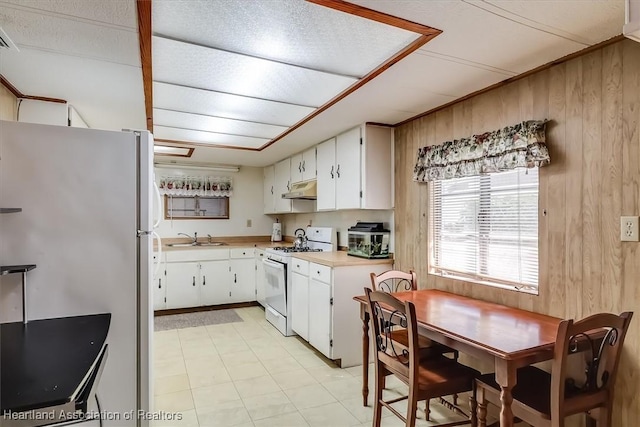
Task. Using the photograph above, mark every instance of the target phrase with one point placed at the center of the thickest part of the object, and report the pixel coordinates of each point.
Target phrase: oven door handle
(273, 264)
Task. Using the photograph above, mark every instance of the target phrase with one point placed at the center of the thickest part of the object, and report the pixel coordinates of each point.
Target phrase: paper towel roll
(276, 234)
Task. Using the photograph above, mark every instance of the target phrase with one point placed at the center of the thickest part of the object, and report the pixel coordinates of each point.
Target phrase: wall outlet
(629, 229)
(248, 223)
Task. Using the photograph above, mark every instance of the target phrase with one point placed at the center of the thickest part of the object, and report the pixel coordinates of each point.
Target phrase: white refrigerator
(86, 222)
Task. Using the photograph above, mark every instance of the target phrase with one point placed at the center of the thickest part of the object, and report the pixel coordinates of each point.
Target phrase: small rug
(199, 318)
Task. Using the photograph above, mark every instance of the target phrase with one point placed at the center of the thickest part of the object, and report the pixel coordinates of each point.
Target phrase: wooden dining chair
(398, 281)
(546, 399)
(426, 378)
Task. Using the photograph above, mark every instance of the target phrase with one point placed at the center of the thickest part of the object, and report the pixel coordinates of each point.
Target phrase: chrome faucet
(195, 237)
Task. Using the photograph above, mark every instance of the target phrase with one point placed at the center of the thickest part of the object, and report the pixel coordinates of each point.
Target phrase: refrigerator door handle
(159, 197)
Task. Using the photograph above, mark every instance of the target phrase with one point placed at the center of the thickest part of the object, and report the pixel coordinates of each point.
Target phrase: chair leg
(604, 417)
(427, 411)
(473, 407)
(377, 407)
(482, 408)
(455, 396)
(412, 406)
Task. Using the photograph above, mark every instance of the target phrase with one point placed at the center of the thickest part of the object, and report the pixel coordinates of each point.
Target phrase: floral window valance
(217, 186)
(521, 145)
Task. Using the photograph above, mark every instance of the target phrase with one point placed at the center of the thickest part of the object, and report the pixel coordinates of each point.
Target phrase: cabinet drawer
(300, 266)
(197, 255)
(320, 272)
(242, 252)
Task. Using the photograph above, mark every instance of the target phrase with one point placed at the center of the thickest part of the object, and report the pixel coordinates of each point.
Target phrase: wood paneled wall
(593, 104)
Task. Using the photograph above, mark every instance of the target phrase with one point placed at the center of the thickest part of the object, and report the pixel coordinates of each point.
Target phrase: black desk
(49, 362)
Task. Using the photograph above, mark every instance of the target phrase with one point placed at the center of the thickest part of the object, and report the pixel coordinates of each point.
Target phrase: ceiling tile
(215, 124)
(477, 35)
(437, 75)
(218, 104)
(197, 66)
(290, 31)
(121, 13)
(175, 134)
(592, 23)
(80, 38)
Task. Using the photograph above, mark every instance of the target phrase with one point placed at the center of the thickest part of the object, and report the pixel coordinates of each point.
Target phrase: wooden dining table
(508, 337)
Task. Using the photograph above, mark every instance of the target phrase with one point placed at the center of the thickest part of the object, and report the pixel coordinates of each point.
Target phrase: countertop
(44, 362)
(339, 259)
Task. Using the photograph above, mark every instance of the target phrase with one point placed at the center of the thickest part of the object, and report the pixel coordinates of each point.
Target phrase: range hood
(302, 190)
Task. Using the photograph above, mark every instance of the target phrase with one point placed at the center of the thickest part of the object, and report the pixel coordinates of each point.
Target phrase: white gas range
(278, 277)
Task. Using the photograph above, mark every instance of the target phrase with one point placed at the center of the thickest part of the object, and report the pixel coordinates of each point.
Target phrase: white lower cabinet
(320, 316)
(243, 280)
(214, 282)
(206, 277)
(323, 310)
(300, 304)
(183, 284)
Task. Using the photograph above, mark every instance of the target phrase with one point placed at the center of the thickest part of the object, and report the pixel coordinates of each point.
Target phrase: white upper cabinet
(355, 170)
(282, 184)
(303, 166)
(348, 170)
(326, 185)
(376, 168)
(309, 164)
(296, 168)
(269, 191)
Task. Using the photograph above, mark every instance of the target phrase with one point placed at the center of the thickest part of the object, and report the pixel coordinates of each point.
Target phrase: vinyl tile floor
(248, 374)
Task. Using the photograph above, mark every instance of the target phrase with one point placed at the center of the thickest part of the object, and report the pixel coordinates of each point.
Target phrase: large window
(485, 229)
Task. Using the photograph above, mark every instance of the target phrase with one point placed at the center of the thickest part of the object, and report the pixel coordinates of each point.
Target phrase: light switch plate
(629, 229)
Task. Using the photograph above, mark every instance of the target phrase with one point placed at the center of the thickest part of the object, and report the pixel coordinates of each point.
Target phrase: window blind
(486, 228)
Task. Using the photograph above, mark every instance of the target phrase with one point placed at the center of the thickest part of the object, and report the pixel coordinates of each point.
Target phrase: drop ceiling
(241, 73)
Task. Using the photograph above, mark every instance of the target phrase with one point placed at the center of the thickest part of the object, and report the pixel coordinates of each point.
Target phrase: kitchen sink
(187, 245)
(181, 245)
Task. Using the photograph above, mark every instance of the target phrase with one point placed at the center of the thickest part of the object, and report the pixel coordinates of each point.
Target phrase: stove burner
(290, 249)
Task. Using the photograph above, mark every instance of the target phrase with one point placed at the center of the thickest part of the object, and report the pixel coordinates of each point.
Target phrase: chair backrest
(599, 339)
(394, 281)
(388, 315)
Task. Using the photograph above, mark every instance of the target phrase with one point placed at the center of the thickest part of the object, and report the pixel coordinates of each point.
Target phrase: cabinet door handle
(204, 280)
(235, 278)
(338, 171)
(288, 188)
(300, 167)
(272, 189)
(160, 283)
(303, 168)
(194, 280)
(331, 172)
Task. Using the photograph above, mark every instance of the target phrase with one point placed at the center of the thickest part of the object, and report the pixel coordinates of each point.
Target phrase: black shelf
(10, 269)
(10, 210)
(45, 363)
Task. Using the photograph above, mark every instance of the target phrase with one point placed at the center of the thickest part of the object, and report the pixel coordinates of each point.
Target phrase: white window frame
(476, 277)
